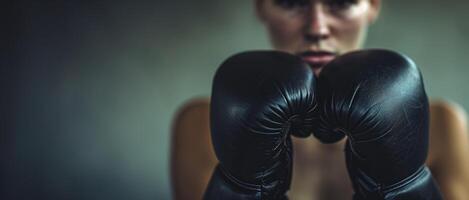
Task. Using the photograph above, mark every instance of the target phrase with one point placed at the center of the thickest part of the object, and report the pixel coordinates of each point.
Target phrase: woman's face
(317, 30)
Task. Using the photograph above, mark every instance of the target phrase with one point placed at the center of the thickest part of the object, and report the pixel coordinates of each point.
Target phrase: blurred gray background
(89, 88)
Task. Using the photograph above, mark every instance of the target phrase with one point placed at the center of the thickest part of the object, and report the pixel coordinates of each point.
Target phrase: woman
(318, 31)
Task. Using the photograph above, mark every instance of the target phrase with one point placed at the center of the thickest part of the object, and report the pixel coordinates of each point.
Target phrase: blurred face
(317, 30)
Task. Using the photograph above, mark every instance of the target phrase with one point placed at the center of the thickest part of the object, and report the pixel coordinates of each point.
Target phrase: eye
(289, 4)
(340, 4)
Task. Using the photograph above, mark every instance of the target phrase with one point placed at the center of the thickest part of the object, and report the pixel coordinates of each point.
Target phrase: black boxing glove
(377, 99)
(258, 99)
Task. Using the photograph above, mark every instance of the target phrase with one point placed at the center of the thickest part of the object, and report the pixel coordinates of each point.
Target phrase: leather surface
(258, 100)
(377, 99)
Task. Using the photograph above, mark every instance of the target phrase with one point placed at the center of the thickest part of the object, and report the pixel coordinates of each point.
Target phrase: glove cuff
(419, 186)
(225, 186)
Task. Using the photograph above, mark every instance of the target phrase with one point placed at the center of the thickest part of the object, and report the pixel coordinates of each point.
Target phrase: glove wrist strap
(419, 186)
(225, 186)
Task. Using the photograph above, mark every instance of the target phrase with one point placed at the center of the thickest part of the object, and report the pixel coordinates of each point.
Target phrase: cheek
(351, 28)
(351, 33)
(285, 32)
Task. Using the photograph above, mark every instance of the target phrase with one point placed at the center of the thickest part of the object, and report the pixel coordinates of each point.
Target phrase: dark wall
(89, 87)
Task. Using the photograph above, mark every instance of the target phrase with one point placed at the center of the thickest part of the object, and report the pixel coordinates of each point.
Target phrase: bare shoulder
(448, 128)
(192, 156)
(449, 107)
(194, 106)
(194, 112)
(449, 148)
(448, 116)
(191, 122)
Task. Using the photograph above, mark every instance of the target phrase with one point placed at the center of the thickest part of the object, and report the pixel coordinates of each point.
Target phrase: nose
(316, 26)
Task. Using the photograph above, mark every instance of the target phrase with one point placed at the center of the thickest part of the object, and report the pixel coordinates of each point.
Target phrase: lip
(317, 59)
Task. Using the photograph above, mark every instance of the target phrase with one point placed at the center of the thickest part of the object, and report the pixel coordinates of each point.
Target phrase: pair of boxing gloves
(375, 98)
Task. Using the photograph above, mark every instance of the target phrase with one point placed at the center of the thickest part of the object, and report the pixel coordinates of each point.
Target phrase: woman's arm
(449, 149)
(192, 157)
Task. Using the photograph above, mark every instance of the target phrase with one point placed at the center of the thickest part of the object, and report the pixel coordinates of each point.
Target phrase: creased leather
(377, 99)
(259, 99)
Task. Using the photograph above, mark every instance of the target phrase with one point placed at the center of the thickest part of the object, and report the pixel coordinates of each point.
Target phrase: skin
(317, 27)
(192, 157)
